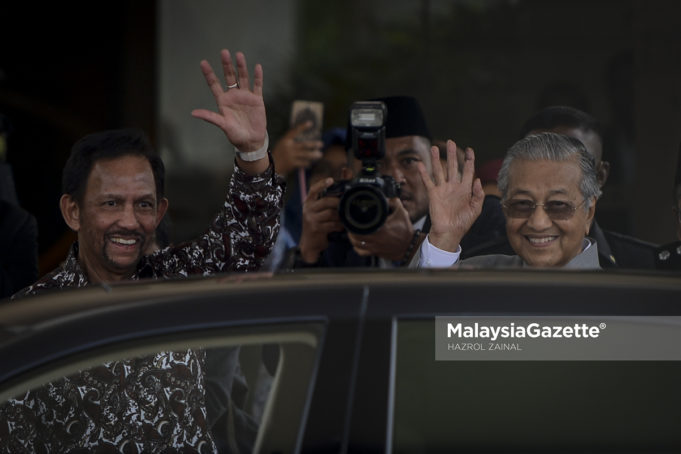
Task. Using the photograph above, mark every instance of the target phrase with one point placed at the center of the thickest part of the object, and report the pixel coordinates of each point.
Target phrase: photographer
(407, 141)
(324, 241)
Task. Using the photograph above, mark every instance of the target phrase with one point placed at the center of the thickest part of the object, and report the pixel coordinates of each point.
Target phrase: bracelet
(410, 249)
(251, 156)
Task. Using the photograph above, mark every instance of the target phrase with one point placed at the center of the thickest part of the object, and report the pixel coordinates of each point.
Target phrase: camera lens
(363, 209)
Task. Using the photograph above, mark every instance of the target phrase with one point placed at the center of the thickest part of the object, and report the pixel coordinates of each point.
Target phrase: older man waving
(549, 192)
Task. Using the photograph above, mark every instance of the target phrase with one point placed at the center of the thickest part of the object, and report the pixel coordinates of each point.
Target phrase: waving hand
(240, 107)
(455, 199)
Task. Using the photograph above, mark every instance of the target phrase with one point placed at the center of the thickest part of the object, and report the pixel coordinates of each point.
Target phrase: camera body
(363, 206)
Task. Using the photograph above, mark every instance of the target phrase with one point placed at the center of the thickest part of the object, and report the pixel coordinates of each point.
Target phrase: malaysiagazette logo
(557, 338)
(531, 330)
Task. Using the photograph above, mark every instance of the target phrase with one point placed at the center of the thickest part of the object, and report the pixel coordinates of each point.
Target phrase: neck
(97, 275)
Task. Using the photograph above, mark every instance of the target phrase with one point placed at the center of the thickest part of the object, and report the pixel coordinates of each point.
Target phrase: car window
(229, 388)
(529, 406)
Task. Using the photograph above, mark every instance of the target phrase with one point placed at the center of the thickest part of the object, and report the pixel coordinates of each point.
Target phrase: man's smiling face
(540, 240)
(117, 218)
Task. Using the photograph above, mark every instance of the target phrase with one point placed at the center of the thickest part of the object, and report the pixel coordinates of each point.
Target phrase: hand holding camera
(291, 153)
(320, 219)
(391, 240)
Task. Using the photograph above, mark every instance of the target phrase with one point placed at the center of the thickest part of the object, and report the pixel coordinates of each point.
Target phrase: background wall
(480, 68)
(68, 69)
(198, 157)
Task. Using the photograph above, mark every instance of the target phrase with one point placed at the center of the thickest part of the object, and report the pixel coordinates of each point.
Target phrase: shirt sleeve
(240, 236)
(434, 257)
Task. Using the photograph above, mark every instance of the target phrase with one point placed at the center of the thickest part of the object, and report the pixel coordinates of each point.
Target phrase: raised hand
(455, 199)
(240, 108)
(290, 153)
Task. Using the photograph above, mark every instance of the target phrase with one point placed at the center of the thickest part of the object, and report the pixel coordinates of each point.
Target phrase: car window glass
(217, 392)
(529, 406)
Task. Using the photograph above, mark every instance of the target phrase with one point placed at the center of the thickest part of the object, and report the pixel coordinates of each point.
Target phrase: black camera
(363, 206)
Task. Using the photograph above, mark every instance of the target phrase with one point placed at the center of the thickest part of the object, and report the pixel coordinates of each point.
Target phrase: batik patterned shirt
(239, 238)
(155, 403)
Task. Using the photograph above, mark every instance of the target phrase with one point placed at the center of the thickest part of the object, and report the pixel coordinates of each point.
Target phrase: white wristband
(254, 155)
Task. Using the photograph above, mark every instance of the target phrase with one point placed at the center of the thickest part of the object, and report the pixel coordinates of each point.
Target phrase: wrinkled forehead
(542, 177)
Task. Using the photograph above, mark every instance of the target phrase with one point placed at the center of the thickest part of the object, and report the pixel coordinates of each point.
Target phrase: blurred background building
(479, 68)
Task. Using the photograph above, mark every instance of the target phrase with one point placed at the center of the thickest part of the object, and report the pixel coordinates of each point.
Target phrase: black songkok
(405, 117)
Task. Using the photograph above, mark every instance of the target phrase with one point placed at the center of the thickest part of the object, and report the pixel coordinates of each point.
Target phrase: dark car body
(355, 367)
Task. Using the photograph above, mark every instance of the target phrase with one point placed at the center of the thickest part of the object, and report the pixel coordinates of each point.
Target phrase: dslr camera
(363, 206)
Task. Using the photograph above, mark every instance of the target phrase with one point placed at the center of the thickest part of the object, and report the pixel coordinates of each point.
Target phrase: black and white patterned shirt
(239, 238)
(155, 403)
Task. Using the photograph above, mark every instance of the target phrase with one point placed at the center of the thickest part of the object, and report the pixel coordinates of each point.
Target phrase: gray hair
(553, 147)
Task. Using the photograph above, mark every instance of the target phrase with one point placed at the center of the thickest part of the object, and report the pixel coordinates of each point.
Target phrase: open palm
(455, 200)
(240, 108)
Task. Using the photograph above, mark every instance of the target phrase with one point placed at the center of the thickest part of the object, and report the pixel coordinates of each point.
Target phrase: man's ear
(590, 214)
(70, 211)
(161, 210)
(602, 173)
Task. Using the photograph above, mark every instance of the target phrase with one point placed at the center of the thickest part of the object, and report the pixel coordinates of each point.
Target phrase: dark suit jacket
(668, 256)
(18, 248)
(621, 251)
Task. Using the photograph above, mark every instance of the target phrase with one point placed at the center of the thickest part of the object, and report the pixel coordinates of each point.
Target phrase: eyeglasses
(555, 209)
